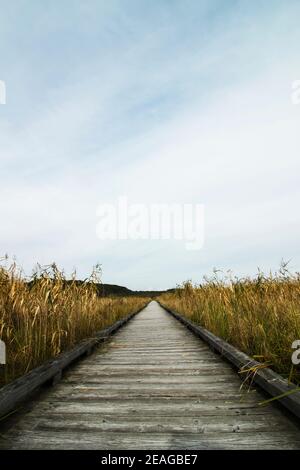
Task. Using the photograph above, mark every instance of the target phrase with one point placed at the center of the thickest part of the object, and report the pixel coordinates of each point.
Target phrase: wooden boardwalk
(153, 385)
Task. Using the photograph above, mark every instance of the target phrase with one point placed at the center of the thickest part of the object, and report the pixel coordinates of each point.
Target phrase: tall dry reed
(260, 316)
(46, 315)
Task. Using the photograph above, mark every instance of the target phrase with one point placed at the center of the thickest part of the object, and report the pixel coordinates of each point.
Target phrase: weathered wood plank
(116, 440)
(141, 424)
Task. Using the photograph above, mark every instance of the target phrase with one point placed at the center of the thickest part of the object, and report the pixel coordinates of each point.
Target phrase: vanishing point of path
(153, 385)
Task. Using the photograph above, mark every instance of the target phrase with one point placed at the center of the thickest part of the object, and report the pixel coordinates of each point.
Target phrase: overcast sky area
(161, 101)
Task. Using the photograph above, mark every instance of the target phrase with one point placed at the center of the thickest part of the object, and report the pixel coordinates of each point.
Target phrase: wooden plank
(142, 424)
(158, 406)
(92, 378)
(121, 409)
(116, 440)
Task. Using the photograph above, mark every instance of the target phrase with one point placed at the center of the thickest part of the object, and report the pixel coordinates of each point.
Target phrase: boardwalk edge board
(18, 391)
(268, 380)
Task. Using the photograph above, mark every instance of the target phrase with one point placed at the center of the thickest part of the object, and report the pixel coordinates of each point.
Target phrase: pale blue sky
(162, 101)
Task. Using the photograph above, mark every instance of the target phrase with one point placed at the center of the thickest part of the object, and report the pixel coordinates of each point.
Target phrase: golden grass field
(41, 319)
(259, 316)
